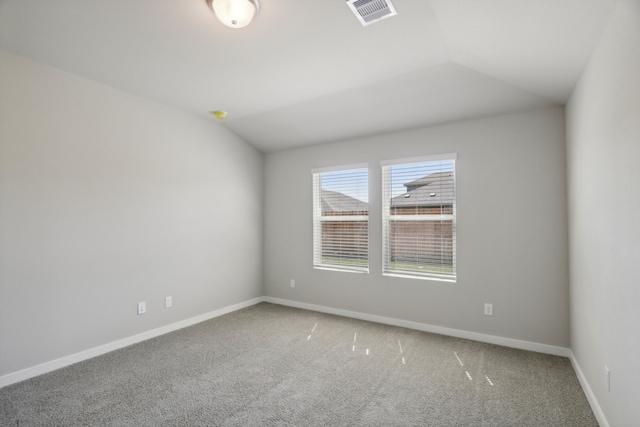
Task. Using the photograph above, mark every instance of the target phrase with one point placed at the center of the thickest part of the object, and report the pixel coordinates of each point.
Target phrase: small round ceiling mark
(220, 115)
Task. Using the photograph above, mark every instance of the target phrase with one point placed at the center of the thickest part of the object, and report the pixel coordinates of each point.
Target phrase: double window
(341, 218)
(418, 218)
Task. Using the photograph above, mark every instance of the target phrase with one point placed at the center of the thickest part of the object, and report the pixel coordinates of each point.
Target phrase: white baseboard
(43, 368)
(458, 333)
(591, 397)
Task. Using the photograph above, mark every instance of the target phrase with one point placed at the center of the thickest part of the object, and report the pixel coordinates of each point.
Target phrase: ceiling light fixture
(235, 13)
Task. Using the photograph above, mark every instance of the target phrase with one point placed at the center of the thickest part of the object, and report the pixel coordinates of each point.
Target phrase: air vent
(370, 11)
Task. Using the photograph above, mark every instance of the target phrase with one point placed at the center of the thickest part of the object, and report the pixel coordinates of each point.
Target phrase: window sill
(344, 270)
(420, 277)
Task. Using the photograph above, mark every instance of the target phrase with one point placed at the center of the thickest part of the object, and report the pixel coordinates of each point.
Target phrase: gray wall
(107, 199)
(603, 146)
(512, 229)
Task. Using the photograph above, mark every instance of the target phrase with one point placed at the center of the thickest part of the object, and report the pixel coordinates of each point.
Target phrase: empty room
(319, 213)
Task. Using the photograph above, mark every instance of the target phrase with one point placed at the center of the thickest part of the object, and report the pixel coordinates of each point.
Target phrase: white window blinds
(341, 218)
(419, 217)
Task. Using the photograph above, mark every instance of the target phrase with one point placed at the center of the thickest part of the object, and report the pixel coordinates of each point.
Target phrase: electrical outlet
(488, 309)
(168, 302)
(142, 307)
(293, 283)
(607, 378)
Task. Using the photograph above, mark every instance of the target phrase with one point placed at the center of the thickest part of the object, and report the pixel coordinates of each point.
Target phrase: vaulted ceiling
(307, 72)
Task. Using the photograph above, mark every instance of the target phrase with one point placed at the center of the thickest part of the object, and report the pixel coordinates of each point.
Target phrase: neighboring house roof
(333, 201)
(432, 190)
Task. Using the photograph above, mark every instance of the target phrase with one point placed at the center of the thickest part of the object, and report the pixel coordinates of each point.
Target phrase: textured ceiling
(306, 72)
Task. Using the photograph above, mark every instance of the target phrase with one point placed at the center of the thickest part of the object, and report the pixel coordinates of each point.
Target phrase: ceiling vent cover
(370, 11)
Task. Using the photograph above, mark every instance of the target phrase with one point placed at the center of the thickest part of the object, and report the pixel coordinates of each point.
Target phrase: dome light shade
(235, 13)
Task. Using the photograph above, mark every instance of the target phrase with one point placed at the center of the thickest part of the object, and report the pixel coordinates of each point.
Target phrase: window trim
(386, 227)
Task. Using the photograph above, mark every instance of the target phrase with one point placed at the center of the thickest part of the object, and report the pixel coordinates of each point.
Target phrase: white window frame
(387, 270)
(318, 219)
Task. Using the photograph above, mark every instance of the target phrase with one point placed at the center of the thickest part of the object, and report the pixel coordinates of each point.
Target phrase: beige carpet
(269, 365)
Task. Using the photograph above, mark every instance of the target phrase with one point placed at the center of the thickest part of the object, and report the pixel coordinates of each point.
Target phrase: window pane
(345, 243)
(422, 246)
(341, 223)
(419, 219)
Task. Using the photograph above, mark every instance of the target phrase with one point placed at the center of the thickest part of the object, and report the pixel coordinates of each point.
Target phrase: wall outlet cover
(488, 309)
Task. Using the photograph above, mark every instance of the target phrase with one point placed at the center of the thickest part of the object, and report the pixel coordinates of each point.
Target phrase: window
(341, 218)
(419, 218)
